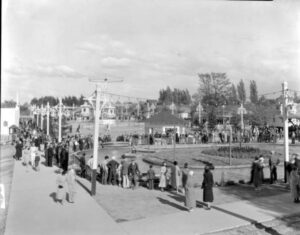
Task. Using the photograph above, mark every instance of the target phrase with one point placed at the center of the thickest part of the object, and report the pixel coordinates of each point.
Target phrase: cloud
(44, 70)
(90, 47)
(115, 62)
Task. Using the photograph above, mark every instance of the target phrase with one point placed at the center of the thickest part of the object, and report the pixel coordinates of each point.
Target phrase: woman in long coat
(163, 177)
(190, 199)
(258, 173)
(50, 154)
(185, 172)
(294, 184)
(175, 176)
(61, 186)
(71, 181)
(207, 186)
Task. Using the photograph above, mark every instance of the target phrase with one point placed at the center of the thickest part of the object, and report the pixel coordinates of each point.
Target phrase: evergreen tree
(253, 92)
(233, 99)
(241, 91)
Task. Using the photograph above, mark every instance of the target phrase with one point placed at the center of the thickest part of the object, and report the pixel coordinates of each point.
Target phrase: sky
(54, 47)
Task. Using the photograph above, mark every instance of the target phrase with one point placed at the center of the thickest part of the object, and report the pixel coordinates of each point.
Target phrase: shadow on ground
(266, 199)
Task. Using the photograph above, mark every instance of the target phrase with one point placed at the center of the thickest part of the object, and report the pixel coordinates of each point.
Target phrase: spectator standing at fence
(104, 170)
(71, 181)
(258, 173)
(125, 166)
(207, 186)
(175, 176)
(190, 198)
(294, 184)
(185, 172)
(82, 164)
(112, 171)
(134, 172)
(273, 167)
(151, 177)
(163, 177)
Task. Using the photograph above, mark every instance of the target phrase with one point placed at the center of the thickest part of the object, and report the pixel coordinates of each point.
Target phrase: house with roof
(163, 122)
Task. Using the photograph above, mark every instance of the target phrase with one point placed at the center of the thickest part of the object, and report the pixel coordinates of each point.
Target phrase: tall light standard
(59, 119)
(242, 111)
(42, 117)
(97, 112)
(48, 114)
(286, 105)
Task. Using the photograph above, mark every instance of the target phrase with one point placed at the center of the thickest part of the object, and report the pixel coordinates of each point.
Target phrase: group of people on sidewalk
(125, 173)
(32, 144)
(184, 179)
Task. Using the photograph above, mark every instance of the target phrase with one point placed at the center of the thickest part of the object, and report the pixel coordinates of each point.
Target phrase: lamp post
(42, 117)
(97, 111)
(48, 114)
(286, 130)
(59, 119)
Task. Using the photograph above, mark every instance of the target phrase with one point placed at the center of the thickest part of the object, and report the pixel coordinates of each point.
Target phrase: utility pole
(97, 112)
(48, 121)
(37, 117)
(286, 130)
(59, 119)
(241, 111)
(73, 111)
(42, 117)
(138, 109)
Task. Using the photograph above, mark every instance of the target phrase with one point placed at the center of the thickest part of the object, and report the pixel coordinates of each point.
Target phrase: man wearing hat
(273, 167)
(112, 171)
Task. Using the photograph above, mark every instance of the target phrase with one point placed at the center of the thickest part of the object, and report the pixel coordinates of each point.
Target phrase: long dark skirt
(208, 195)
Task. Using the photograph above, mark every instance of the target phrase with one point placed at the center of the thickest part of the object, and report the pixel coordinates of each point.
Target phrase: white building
(86, 111)
(9, 117)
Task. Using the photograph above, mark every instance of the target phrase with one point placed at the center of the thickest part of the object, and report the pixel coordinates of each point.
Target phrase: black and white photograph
(158, 117)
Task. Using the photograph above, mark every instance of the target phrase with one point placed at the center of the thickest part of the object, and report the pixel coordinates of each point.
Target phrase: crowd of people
(32, 144)
(292, 173)
(126, 174)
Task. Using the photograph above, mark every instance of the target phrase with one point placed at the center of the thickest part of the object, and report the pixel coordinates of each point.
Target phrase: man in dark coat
(207, 186)
(64, 158)
(80, 144)
(19, 147)
(112, 171)
(50, 154)
(133, 172)
(273, 167)
(82, 163)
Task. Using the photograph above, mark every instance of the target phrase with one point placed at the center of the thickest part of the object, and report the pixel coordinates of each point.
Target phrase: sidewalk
(32, 210)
